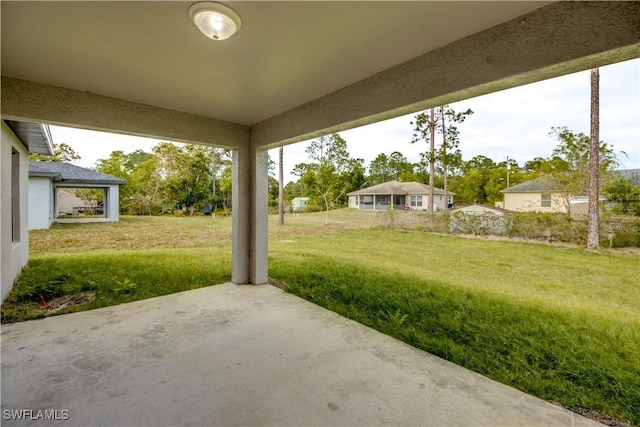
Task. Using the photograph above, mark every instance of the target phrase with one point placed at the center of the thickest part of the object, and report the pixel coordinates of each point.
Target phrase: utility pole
(593, 224)
(432, 161)
(508, 169)
(281, 187)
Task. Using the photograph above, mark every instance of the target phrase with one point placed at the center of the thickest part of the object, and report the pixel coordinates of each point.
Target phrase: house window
(15, 196)
(416, 201)
(382, 200)
(545, 200)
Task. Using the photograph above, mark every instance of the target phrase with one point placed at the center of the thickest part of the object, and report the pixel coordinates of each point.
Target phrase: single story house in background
(299, 204)
(47, 178)
(535, 196)
(399, 195)
(480, 219)
(17, 139)
(543, 196)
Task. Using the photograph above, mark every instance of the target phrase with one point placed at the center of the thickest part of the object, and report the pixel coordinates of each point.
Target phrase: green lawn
(557, 322)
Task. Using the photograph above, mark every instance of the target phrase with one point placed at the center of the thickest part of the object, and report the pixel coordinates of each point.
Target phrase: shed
(300, 204)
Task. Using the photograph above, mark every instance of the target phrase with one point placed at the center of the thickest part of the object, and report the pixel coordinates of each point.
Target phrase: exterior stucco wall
(438, 201)
(14, 255)
(112, 206)
(41, 207)
(531, 202)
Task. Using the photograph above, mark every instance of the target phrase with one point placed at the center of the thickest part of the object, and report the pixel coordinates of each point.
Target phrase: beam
(25, 100)
(555, 40)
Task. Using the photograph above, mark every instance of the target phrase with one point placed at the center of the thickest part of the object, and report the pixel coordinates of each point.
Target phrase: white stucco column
(249, 222)
(112, 205)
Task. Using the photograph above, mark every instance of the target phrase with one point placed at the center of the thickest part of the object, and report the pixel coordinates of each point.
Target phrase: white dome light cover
(215, 20)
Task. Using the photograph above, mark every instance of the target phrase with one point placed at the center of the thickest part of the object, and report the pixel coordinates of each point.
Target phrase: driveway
(241, 355)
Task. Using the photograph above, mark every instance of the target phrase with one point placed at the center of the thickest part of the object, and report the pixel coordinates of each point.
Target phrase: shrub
(480, 223)
(615, 231)
(47, 290)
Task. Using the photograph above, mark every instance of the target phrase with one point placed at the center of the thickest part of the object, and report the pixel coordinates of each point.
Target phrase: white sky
(514, 123)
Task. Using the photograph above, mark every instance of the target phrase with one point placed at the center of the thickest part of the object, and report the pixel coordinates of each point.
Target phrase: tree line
(332, 173)
(189, 178)
(170, 178)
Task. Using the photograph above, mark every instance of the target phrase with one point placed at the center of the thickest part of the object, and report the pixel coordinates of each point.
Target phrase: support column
(249, 221)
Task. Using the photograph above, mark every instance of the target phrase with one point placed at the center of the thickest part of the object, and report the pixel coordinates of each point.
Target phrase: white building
(536, 196)
(299, 204)
(46, 181)
(399, 195)
(16, 141)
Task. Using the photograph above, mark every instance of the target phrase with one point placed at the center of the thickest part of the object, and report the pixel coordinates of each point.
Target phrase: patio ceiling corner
(552, 41)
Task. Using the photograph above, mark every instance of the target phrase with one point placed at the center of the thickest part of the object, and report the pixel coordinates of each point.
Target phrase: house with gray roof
(50, 184)
(399, 195)
(543, 195)
(539, 195)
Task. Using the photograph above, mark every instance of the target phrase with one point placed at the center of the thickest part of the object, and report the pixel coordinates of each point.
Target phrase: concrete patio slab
(242, 355)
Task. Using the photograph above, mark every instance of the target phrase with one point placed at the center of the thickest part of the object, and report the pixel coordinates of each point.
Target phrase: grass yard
(557, 322)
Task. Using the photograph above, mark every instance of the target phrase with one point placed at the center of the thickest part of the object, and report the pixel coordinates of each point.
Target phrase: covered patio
(252, 355)
(243, 355)
(294, 71)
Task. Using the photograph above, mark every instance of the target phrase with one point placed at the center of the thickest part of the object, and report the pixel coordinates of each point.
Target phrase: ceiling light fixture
(215, 20)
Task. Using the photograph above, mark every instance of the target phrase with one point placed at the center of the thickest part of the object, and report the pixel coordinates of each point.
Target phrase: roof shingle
(532, 186)
(397, 188)
(67, 172)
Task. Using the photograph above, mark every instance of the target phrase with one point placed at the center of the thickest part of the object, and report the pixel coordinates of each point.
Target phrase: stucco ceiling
(286, 54)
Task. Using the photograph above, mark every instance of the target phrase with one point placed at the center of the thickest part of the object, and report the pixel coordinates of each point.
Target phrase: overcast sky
(514, 123)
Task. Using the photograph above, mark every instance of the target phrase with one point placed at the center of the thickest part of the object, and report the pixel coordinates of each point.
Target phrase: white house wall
(14, 255)
(353, 202)
(112, 204)
(438, 202)
(41, 207)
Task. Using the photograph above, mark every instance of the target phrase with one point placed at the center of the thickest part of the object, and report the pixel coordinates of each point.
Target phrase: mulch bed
(58, 304)
(277, 284)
